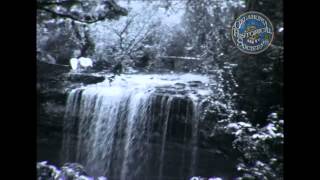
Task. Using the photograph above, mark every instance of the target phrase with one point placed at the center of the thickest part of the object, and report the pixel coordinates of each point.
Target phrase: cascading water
(122, 130)
(194, 139)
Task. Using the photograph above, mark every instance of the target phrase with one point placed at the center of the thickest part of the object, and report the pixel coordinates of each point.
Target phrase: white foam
(145, 82)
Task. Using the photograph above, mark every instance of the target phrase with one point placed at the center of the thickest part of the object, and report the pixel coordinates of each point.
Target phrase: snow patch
(82, 62)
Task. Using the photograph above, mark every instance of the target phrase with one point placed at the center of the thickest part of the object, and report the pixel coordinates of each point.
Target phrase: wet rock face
(49, 131)
(53, 81)
(50, 112)
(213, 155)
(179, 121)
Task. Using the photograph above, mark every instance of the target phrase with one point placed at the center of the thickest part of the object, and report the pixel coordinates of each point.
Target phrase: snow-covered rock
(85, 62)
(68, 171)
(74, 63)
(80, 63)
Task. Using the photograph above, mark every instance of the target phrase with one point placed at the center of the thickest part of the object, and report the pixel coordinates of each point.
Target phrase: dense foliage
(62, 27)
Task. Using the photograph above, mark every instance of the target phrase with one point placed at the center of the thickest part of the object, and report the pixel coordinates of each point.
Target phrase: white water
(112, 122)
(166, 107)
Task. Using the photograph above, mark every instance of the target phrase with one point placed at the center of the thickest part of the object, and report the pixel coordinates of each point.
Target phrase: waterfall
(165, 106)
(110, 128)
(135, 130)
(194, 139)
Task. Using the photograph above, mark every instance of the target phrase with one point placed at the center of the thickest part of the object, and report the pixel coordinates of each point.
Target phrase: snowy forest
(144, 90)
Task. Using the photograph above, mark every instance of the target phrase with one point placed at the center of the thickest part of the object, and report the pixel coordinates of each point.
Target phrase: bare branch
(115, 11)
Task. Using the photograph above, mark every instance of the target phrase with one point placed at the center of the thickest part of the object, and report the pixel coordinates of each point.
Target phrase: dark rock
(47, 69)
(117, 69)
(102, 65)
(44, 172)
(195, 83)
(180, 85)
(85, 78)
(71, 169)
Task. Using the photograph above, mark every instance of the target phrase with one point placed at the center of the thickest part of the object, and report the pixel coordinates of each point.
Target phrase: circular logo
(252, 32)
